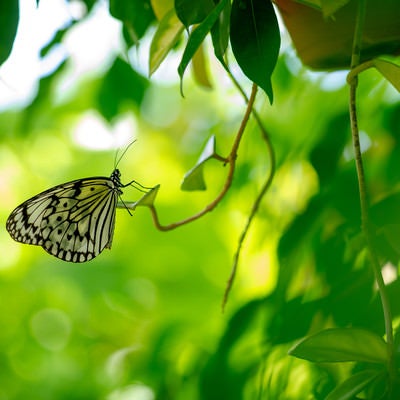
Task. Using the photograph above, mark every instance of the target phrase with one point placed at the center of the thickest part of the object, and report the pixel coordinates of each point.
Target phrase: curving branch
(230, 160)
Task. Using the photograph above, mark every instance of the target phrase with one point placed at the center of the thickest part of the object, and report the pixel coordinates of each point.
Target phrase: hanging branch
(230, 160)
(352, 80)
(255, 206)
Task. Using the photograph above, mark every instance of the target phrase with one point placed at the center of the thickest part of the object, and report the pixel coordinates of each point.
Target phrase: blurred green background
(143, 321)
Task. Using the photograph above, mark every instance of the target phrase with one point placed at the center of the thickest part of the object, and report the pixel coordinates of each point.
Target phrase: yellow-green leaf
(165, 38)
(390, 71)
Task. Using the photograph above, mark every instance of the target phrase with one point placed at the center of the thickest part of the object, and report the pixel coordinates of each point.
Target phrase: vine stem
(231, 160)
(256, 203)
(365, 223)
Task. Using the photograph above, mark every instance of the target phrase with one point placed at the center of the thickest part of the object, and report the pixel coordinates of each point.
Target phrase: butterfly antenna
(117, 160)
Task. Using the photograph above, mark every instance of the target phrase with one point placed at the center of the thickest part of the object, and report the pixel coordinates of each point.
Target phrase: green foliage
(255, 40)
(198, 35)
(164, 40)
(131, 89)
(338, 345)
(136, 15)
(9, 16)
(193, 12)
(304, 318)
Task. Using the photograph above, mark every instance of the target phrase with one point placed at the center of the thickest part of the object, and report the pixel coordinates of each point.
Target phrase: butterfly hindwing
(73, 221)
(78, 226)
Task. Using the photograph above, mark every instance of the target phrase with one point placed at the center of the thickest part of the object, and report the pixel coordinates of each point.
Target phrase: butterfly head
(116, 177)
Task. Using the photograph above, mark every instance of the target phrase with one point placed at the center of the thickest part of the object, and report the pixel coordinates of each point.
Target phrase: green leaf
(194, 179)
(161, 7)
(220, 33)
(338, 345)
(390, 71)
(165, 38)
(193, 12)
(149, 198)
(136, 15)
(200, 70)
(197, 37)
(353, 385)
(113, 95)
(9, 16)
(255, 40)
(146, 200)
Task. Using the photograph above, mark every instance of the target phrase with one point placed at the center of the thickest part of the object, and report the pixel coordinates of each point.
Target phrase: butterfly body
(73, 221)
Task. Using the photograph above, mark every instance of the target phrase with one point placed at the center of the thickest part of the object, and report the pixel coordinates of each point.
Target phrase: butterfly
(73, 221)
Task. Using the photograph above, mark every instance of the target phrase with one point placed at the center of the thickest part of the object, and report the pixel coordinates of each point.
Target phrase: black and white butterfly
(73, 221)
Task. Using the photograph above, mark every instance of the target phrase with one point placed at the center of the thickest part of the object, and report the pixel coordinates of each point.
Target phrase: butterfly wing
(73, 221)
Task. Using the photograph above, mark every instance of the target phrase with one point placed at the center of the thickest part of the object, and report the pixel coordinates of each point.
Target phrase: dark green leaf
(197, 37)
(255, 40)
(292, 320)
(9, 16)
(119, 85)
(193, 12)
(338, 345)
(136, 15)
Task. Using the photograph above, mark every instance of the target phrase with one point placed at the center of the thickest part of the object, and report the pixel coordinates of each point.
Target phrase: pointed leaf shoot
(194, 179)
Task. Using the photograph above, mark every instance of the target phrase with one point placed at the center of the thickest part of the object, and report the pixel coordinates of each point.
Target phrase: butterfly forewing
(73, 221)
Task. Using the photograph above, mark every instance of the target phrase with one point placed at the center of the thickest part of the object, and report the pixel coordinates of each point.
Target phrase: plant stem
(230, 160)
(365, 224)
(255, 206)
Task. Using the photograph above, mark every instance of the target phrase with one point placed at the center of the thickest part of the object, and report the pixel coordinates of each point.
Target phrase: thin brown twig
(230, 160)
(253, 211)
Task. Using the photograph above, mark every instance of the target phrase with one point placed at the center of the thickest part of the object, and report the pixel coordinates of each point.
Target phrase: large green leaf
(9, 15)
(255, 40)
(337, 345)
(193, 12)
